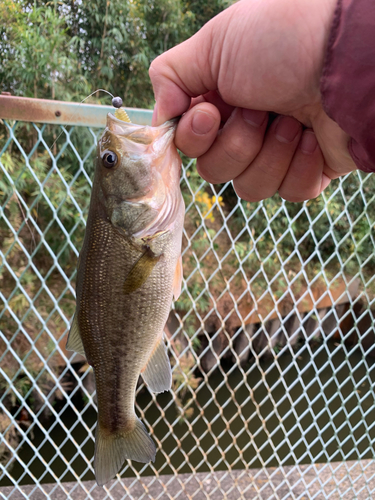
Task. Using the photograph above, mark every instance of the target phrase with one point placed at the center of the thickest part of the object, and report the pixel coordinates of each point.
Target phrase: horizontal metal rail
(64, 113)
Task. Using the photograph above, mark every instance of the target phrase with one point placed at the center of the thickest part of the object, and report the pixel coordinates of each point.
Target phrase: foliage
(68, 49)
(37, 56)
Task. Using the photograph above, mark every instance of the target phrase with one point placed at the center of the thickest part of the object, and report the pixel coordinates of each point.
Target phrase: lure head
(138, 171)
(117, 102)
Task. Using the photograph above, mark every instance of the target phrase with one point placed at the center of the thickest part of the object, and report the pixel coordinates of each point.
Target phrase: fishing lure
(120, 112)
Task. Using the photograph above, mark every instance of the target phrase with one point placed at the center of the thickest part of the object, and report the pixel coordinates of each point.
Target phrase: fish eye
(109, 159)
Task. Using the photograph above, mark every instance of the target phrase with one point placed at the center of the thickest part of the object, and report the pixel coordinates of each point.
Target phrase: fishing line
(97, 90)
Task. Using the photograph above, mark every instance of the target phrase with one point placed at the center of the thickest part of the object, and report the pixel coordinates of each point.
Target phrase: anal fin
(74, 342)
(177, 281)
(157, 373)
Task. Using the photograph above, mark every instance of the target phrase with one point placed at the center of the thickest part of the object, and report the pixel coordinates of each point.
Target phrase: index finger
(180, 74)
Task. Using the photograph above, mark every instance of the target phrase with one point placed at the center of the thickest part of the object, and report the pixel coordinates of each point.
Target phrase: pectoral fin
(140, 272)
(74, 342)
(157, 373)
(177, 281)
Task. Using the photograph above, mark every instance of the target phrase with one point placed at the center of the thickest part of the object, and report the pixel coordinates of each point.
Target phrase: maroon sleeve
(348, 80)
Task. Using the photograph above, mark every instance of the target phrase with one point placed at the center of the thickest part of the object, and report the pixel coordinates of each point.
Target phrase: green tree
(68, 49)
(39, 61)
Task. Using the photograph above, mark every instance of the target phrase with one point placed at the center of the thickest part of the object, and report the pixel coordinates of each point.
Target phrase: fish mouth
(172, 121)
(144, 134)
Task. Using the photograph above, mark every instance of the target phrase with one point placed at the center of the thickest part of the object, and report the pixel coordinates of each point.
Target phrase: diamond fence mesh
(271, 341)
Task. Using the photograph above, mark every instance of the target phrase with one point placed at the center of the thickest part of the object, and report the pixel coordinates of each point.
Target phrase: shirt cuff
(348, 79)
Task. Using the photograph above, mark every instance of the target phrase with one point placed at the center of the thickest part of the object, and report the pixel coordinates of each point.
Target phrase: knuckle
(237, 150)
(206, 173)
(152, 71)
(274, 165)
(157, 68)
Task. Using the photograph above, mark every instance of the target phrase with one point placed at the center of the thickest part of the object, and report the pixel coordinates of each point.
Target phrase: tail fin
(112, 451)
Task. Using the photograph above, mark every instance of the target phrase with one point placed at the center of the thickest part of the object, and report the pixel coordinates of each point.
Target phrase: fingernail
(202, 122)
(254, 117)
(286, 129)
(308, 143)
(154, 118)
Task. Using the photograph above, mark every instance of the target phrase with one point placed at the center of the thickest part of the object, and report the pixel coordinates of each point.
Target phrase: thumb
(182, 73)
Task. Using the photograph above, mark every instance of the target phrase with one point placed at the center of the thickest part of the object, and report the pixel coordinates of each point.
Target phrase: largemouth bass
(129, 269)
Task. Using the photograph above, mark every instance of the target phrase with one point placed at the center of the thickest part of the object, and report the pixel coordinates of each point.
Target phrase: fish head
(138, 171)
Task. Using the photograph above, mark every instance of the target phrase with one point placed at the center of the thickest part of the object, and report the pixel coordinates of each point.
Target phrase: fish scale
(129, 269)
(125, 316)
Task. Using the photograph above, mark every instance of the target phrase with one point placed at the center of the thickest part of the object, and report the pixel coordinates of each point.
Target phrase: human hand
(252, 59)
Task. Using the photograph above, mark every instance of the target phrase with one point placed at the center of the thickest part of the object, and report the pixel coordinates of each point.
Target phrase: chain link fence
(271, 341)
